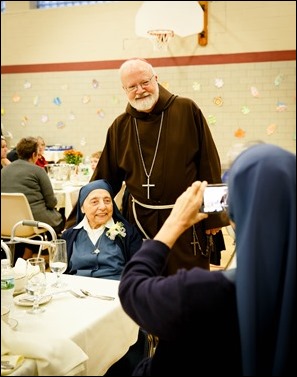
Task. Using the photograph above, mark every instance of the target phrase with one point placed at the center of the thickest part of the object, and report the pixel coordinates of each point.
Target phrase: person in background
(4, 160)
(158, 147)
(41, 161)
(255, 303)
(23, 175)
(102, 241)
(94, 159)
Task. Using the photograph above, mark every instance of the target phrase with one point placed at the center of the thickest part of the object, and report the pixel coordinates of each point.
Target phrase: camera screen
(215, 198)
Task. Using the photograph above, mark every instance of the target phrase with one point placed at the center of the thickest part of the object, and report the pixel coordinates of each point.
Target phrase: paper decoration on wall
(219, 83)
(254, 92)
(239, 133)
(212, 120)
(245, 110)
(83, 141)
(27, 85)
(218, 101)
(100, 113)
(44, 118)
(2, 111)
(196, 86)
(16, 98)
(85, 99)
(60, 124)
(278, 80)
(57, 101)
(165, 84)
(271, 129)
(95, 84)
(71, 116)
(36, 101)
(281, 106)
(115, 100)
(64, 87)
(24, 121)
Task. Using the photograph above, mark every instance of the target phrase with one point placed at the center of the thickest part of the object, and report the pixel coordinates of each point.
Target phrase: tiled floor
(228, 258)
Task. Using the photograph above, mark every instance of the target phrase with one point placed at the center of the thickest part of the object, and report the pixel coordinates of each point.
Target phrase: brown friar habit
(186, 153)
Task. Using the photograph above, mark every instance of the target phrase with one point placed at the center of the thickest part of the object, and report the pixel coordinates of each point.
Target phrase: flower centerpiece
(73, 157)
(117, 229)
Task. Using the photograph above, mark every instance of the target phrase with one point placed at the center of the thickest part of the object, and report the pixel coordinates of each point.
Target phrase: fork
(87, 293)
(75, 294)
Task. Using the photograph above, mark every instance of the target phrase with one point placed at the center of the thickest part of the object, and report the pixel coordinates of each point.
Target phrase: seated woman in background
(94, 159)
(41, 161)
(102, 241)
(23, 175)
(4, 160)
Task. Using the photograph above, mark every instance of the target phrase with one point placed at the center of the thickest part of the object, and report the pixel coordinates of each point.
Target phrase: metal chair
(18, 224)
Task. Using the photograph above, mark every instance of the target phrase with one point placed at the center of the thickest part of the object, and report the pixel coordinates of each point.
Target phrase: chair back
(14, 208)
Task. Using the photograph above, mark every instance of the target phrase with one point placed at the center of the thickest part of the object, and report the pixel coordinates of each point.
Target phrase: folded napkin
(14, 360)
(20, 267)
(54, 356)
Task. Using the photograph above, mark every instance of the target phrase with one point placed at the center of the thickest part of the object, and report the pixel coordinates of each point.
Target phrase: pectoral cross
(148, 185)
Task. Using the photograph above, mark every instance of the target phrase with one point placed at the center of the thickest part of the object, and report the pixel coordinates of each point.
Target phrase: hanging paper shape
(36, 101)
(60, 124)
(24, 121)
(271, 129)
(219, 83)
(83, 141)
(16, 98)
(115, 100)
(44, 118)
(245, 110)
(239, 133)
(85, 99)
(27, 85)
(71, 116)
(100, 113)
(212, 119)
(57, 101)
(281, 106)
(196, 86)
(254, 92)
(278, 80)
(218, 101)
(95, 84)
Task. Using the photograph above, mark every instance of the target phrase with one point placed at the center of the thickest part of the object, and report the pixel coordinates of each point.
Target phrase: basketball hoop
(160, 38)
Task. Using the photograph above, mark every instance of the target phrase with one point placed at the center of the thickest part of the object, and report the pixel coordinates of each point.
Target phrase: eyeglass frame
(143, 85)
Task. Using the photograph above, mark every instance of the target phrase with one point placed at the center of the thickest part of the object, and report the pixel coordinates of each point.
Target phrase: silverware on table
(102, 297)
(75, 294)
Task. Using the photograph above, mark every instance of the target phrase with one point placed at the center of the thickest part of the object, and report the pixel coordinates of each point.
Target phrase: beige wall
(106, 32)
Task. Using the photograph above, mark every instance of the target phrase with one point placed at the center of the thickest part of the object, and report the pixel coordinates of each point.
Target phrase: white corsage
(117, 229)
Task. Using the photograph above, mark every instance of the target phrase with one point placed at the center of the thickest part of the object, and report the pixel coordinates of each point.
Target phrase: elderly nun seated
(102, 241)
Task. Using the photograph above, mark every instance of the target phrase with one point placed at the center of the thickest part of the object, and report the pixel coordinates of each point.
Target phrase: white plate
(13, 323)
(18, 300)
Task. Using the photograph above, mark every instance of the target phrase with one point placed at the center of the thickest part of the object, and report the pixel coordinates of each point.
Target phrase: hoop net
(160, 38)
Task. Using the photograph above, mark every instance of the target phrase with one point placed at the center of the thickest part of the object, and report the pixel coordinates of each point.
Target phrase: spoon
(87, 293)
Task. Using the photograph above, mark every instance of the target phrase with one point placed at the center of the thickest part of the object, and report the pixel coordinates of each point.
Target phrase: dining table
(66, 193)
(100, 327)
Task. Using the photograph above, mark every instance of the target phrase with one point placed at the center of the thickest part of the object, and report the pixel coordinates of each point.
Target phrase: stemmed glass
(36, 282)
(58, 260)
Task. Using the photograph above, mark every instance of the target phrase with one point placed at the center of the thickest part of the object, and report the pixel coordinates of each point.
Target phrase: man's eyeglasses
(143, 84)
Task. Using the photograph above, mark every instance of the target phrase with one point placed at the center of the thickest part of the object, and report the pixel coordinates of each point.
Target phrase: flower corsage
(117, 229)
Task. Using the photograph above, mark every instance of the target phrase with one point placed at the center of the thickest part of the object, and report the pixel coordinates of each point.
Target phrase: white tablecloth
(100, 328)
(67, 197)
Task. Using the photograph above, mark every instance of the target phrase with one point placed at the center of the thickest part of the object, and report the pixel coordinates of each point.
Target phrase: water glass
(58, 260)
(36, 282)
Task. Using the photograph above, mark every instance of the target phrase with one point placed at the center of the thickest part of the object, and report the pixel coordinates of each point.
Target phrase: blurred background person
(94, 159)
(41, 161)
(4, 160)
(26, 177)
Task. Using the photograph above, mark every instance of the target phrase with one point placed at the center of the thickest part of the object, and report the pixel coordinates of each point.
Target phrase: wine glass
(58, 260)
(36, 282)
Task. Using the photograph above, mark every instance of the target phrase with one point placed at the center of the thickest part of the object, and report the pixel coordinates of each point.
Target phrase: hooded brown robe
(186, 152)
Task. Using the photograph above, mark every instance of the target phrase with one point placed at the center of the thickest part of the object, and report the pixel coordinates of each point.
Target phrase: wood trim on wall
(250, 57)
